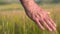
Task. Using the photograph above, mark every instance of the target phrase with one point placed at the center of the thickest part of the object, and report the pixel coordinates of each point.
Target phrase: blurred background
(13, 19)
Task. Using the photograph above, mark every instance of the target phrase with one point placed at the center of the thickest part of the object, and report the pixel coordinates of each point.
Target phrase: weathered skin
(38, 15)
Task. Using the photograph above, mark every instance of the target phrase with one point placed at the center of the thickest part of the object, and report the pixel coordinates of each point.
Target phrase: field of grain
(13, 19)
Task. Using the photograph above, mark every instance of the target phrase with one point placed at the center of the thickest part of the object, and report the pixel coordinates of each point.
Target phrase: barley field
(13, 19)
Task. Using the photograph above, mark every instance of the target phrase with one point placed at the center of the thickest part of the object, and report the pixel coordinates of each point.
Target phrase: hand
(42, 19)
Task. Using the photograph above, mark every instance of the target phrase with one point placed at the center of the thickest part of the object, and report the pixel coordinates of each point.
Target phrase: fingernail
(50, 29)
(54, 29)
(55, 25)
(43, 28)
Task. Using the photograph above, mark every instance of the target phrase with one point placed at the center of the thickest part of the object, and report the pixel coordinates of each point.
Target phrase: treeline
(47, 1)
(38, 1)
(8, 1)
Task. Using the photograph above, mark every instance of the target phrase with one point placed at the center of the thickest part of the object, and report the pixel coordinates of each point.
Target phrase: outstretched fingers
(42, 23)
(46, 25)
(39, 24)
(51, 21)
(50, 24)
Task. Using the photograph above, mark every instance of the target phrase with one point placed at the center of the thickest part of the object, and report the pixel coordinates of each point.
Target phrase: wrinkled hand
(42, 19)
